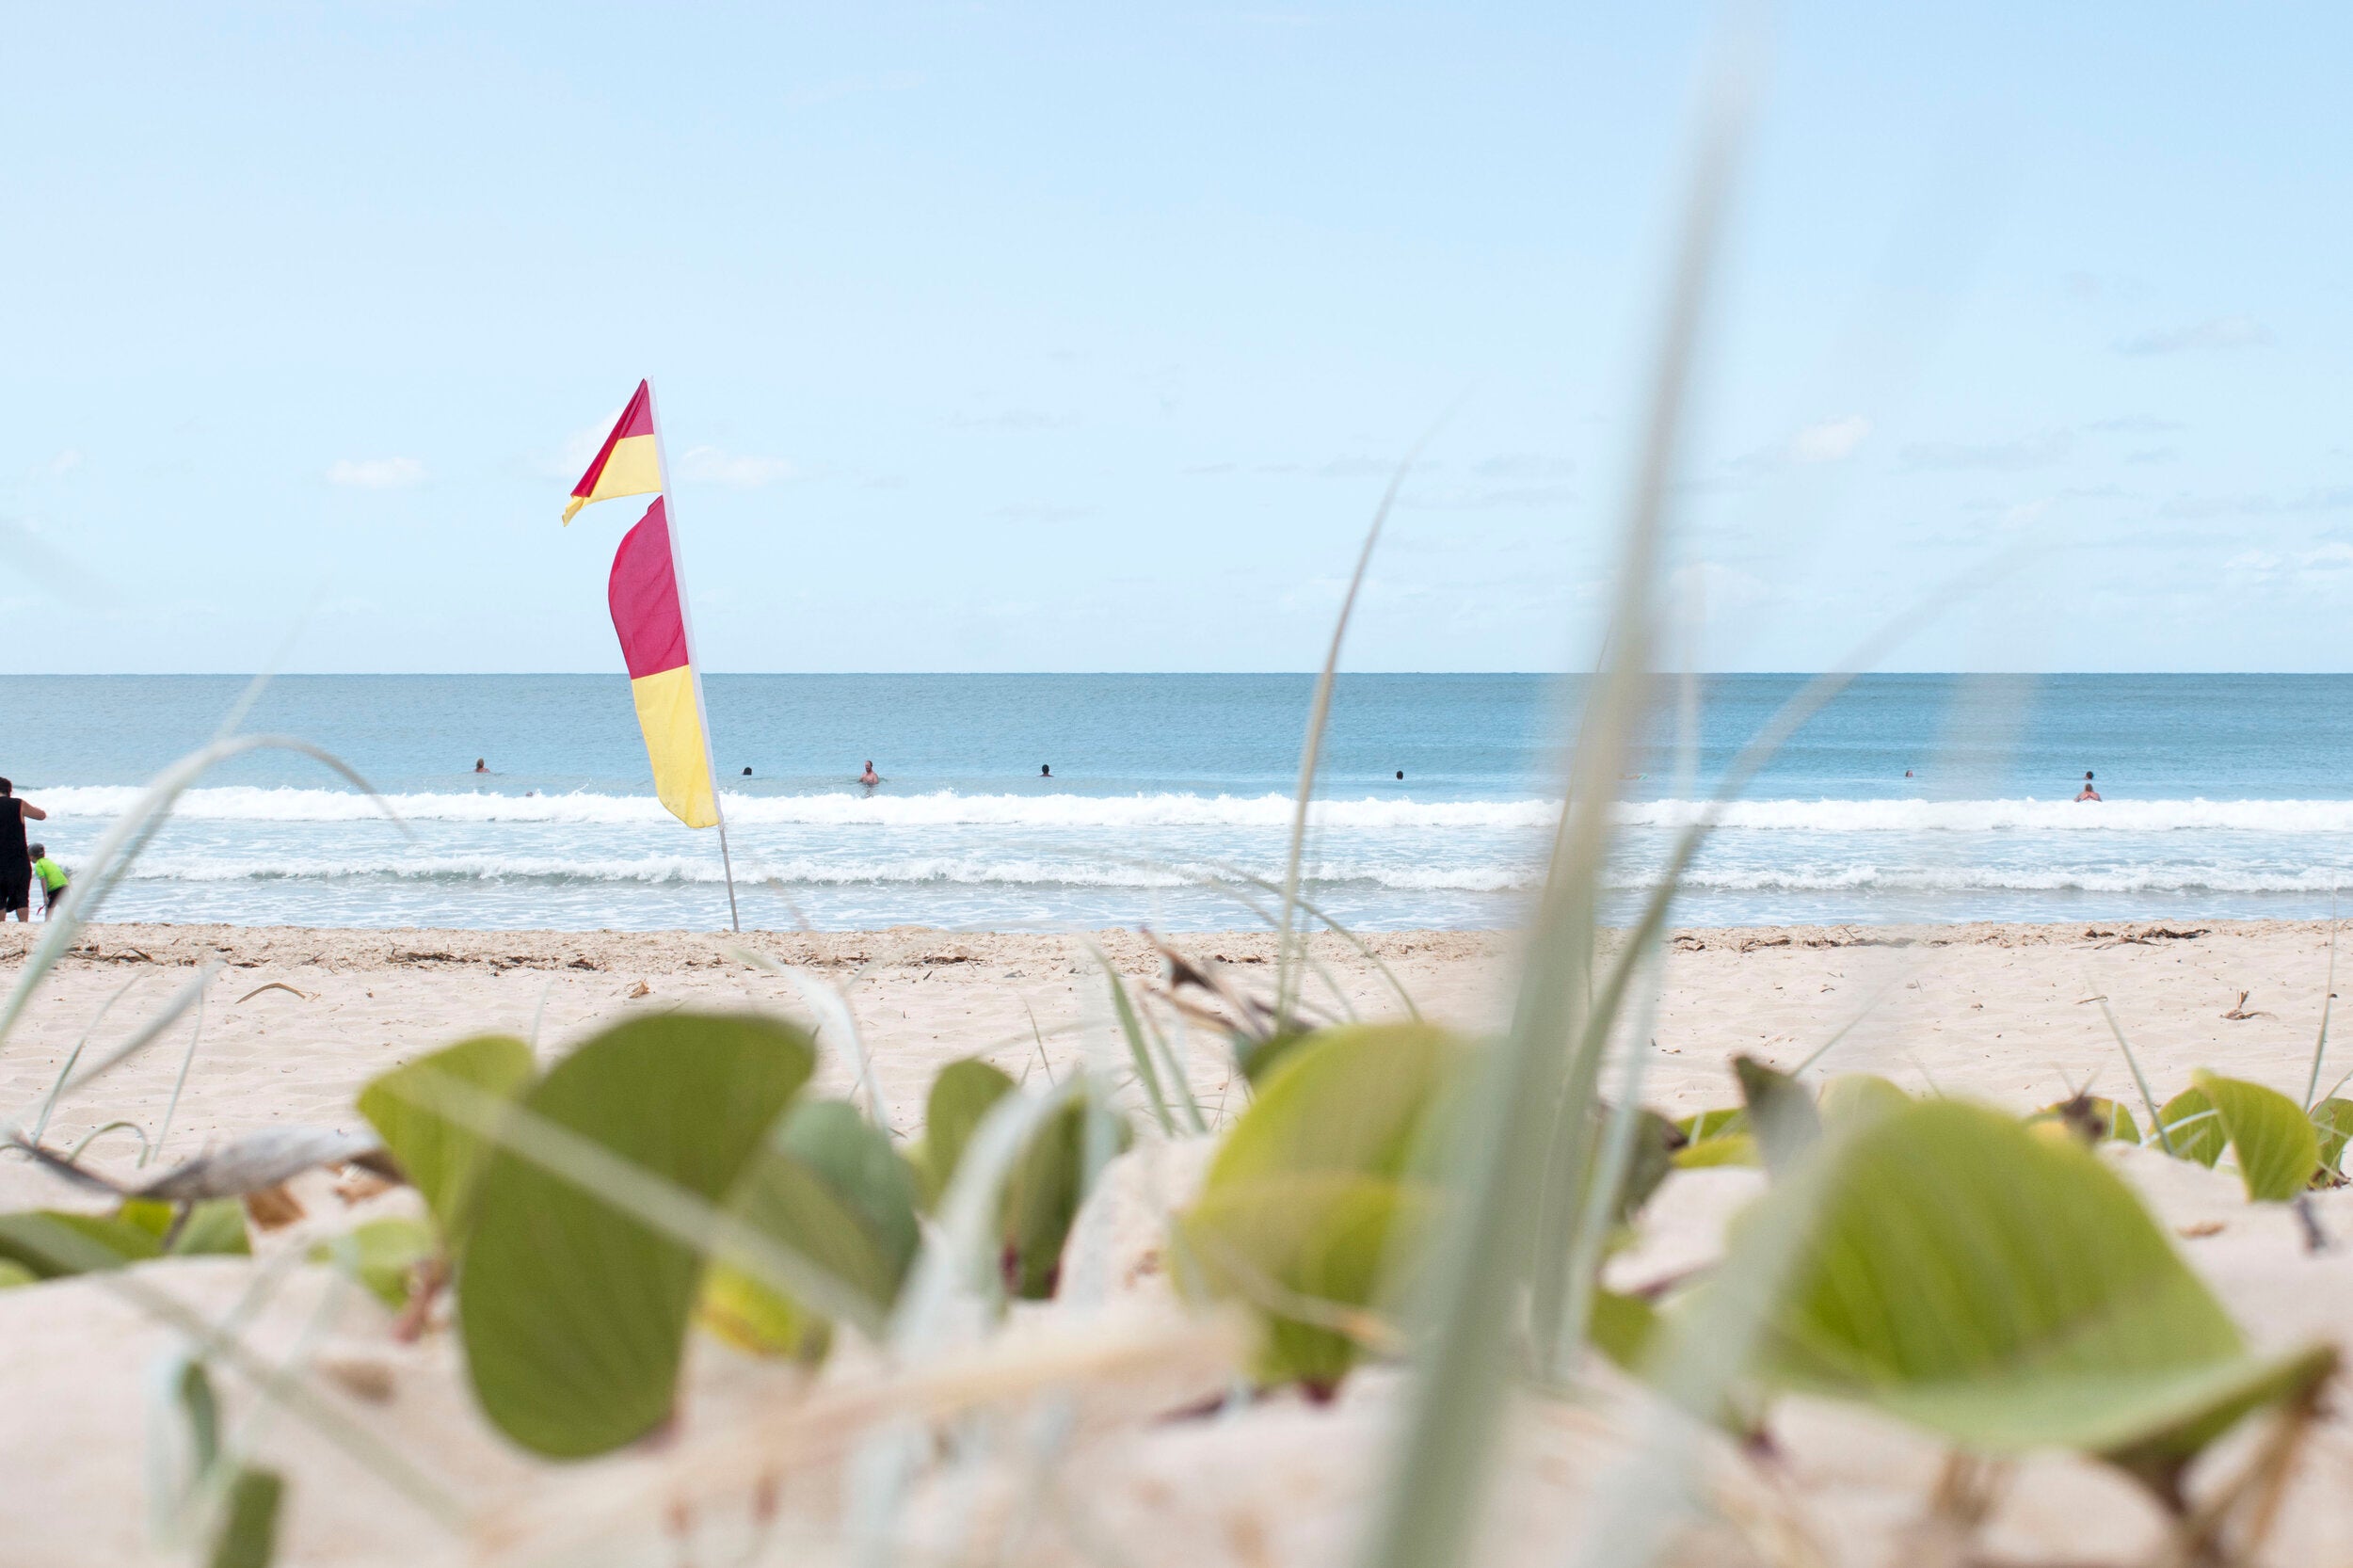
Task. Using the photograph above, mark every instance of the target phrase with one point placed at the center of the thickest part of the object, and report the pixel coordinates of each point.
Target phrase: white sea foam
(943, 871)
(2011, 879)
(2004, 816)
(980, 870)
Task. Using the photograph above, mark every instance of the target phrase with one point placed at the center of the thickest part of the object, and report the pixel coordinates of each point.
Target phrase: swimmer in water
(870, 777)
(481, 766)
(1044, 770)
(2088, 792)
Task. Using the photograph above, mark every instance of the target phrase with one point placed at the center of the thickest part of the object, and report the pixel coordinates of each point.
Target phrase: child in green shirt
(53, 878)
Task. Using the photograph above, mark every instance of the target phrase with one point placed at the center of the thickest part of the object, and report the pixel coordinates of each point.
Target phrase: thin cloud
(2335, 498)
(376, 473)
(1826, 441)
(2332, 557)
(1710, 587)
(1014, 421)
(1359, 468)
(1523, 465)
(1042, 513)
(2219, 333)
(1484, 498)
(2039, 449)
(710, 465)
(570, 460)
(2136, 424)
(1829, 440)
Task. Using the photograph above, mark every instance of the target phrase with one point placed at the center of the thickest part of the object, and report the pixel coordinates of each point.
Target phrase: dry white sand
(2006, 1014)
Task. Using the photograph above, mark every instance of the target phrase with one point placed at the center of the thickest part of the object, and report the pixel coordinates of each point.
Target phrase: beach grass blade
(179, 1082)
(1319, 714)
(832, 1010)
(1139, 1049)
(2327, 1002)
(2140, 1080)
(101, 1130)
(1439, 1471)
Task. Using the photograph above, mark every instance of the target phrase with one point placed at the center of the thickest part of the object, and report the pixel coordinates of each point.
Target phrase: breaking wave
(943, 871)
(2026, 815)
(947, 808)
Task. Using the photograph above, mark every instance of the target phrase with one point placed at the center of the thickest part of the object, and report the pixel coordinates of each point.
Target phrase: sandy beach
(2002, 1012)
(296, 1019)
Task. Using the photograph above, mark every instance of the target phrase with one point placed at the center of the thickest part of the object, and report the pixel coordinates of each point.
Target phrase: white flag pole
(686, 619)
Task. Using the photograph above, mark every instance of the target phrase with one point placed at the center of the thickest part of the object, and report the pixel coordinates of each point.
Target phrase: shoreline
(541, 947)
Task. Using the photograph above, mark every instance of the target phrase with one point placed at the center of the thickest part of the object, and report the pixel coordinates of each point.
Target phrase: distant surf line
(1178, 810)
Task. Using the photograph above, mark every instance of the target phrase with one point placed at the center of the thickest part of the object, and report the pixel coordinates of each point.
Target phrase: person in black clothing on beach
(16, 862)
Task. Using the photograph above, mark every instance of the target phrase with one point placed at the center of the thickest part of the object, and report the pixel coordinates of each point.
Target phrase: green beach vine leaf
(1852, 1096)
(382, 1254)
(1321, 1190)
(53, 1244)
(2275, 1143)
(574, 1310)
(829, 1186)
(960, 1096)
(1044, 1187)
(1043, 1191)
(442, 1157)
(2191, 1128)
(248, 1526)
(2333, 1119)
(1732, 1148)
(1722, 1122)
(2008, 1293)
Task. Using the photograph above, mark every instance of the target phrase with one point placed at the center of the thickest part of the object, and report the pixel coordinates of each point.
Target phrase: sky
(1086, 338)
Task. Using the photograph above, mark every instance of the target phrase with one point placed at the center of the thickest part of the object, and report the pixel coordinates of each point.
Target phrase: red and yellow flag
(629, 463)
(650, 617)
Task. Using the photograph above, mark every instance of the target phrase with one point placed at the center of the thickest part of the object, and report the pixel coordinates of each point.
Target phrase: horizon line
(1201, 675)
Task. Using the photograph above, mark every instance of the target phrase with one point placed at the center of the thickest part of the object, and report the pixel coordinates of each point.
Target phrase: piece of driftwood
(257, 1161)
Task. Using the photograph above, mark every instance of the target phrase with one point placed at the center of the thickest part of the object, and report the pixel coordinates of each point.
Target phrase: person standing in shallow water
(52, 879)
(2088, 792)
(870, 777)
(16, 861)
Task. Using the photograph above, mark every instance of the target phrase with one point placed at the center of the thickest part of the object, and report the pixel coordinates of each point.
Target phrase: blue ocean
(1909, 798)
